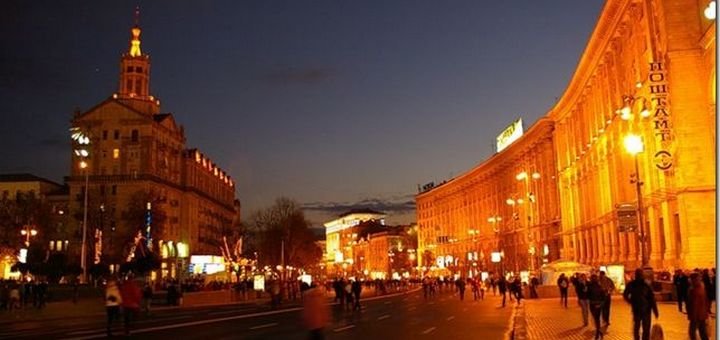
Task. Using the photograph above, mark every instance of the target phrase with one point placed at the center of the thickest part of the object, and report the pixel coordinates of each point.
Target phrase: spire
(134, 84)
(135, 35)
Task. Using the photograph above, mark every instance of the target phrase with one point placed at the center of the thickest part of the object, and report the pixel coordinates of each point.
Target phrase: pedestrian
(563, 284)
(580, 283)
(112, 304)
(147, 295)
(534, 282)
(76, 291)
(697, 310)
(130, 302)
(348, 295)
(14, 302)
(356, 291)
(516, 289)
(709, 283)
(596, 298)
(681, 285)
(460, 283)
(502, 288)
(315, 312)
(608, 286)
(425, 286)
(642, 299)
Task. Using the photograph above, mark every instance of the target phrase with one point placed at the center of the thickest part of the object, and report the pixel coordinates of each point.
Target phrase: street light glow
(521, 176)
(710, 11)
(83, 164)
(536, 175)
(633, 144)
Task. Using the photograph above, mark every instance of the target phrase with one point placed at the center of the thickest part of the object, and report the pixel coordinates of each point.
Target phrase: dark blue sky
(333, 103)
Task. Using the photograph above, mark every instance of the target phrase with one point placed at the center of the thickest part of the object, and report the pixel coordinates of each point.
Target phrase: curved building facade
(628, 150)
(508, 204)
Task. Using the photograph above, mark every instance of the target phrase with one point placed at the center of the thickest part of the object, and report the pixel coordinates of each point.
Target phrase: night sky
(337, 104)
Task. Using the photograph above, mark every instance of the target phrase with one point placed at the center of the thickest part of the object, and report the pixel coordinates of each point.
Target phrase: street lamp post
(634, 145)
(82, 151)
(523, 176)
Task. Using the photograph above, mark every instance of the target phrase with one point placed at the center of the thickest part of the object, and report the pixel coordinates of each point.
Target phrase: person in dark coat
(641, 298)
(709, 283)
(356, 290)
(502, 287)
(596, 296)
(460, 283)
(681, 283)
(580, 283)
(697, 308)
(563, 284)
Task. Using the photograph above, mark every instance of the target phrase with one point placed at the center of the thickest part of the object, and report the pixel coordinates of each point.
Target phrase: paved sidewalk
(546, 319)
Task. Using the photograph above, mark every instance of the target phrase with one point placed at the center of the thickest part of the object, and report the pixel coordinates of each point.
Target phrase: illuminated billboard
(509, 135)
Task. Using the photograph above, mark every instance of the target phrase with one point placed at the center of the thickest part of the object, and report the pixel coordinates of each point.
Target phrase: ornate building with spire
(141, 176)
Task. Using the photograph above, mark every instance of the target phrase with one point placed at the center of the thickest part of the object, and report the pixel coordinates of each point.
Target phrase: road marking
(388, 302)
(383, 317)
(85, 332)
(195, 323)
(264, 326)
(336, 330)
(427, 331)
(450, 318)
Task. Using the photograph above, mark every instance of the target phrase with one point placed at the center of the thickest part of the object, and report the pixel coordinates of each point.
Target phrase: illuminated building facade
(341, 234)
(647, 72)
(508, 203)
(137, 153)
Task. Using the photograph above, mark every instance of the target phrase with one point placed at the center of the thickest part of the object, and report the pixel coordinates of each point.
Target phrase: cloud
(55, 143)
(306, 75)
(400, 204)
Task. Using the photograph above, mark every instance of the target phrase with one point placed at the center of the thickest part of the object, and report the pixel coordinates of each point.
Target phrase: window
(52, 245)
(116, 134)
(104, 154)
(116, 153)
(138, 69)
(134, 135)
(129, 69)
(114, 190)
(104, 134)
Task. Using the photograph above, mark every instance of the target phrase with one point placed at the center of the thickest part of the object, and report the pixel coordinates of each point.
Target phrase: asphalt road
(399, 316)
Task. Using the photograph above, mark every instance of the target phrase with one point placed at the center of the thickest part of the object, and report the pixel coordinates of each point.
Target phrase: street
(400, 316)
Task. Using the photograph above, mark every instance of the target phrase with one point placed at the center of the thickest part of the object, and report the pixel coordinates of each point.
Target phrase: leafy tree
(134, 219)
(283, 222)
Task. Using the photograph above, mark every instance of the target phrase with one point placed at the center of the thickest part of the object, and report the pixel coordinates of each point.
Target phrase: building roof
(361, 211)
(24, 177)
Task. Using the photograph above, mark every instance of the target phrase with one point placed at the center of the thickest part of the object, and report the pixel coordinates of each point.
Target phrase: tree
(134, 217)
(283, 222)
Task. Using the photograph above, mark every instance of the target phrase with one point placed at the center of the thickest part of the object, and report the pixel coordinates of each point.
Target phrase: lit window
(52, 245)
(59, 245)
(116, 153)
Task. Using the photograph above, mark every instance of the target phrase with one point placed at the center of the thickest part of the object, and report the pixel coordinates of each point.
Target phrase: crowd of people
(20, 294)
(694, 289)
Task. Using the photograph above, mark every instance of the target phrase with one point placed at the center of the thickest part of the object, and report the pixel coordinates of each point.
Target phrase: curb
(519, 323)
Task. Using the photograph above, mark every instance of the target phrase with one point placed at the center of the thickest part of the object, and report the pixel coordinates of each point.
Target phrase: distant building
(138, 155)
(46, 225)
(339, 237)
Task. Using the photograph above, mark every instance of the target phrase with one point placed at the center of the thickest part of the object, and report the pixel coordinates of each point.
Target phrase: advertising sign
(525, 276)
(509, 135)
(306, 278)
(259, 282)
(495, 257)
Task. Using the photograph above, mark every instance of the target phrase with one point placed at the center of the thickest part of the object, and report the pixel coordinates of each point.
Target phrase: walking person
(112, 304)
(356, 291)
(580, 283)
(147, 295)
(516, 289)
(315, 312)
(130, 302)
(597, 299)
(475, 289)
(642, 299)
(460, 283)
(534, 282)
(709, 283)
(608, 286)
(348, 295)
(563, 284)
(697, 309)
(502, 288)
(681, 284)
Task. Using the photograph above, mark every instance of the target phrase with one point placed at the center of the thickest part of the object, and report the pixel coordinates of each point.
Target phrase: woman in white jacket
(112, 304)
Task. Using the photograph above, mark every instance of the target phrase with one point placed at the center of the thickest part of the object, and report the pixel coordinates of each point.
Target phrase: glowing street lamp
(28, 232)
(82, 150)
(634, 145)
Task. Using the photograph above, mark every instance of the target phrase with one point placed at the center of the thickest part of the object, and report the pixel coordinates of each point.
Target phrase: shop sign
(510, 134)
(659, 95)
